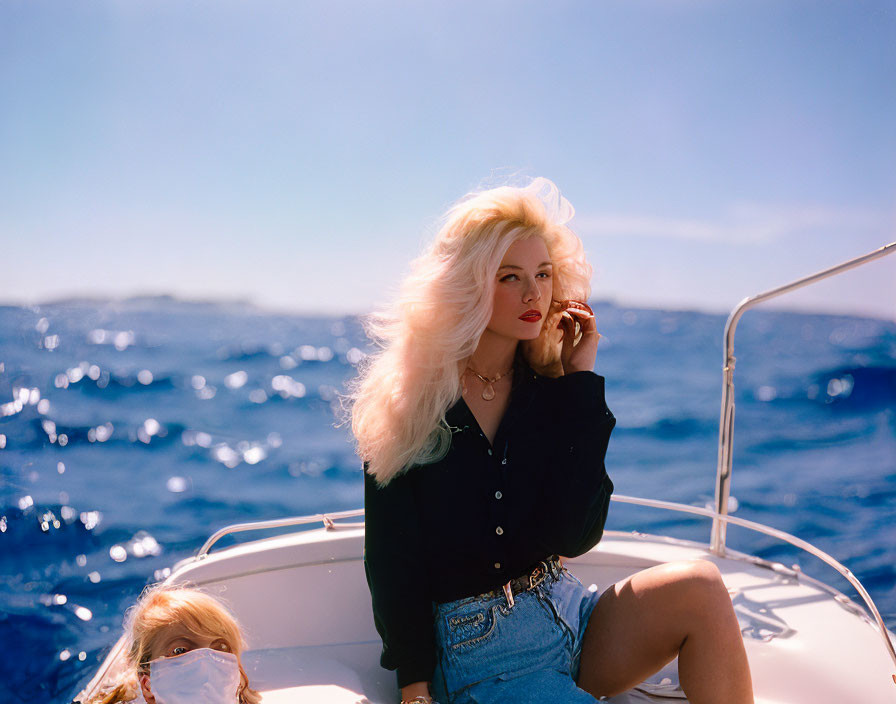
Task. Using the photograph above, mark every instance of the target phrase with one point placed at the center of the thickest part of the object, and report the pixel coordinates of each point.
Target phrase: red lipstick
(531, 316)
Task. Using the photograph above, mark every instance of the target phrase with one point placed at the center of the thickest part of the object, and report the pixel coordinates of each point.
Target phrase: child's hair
(160, 606)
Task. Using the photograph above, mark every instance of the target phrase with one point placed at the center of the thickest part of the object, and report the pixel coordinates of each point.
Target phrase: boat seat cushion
(313, 694)
(349, 673)
(342, 674)
(310, 694)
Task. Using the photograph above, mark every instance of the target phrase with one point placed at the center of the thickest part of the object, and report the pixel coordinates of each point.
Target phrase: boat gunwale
(873, 615)
(330, 526)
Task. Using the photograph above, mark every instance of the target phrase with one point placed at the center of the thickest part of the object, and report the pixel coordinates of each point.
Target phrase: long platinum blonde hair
(399, 399)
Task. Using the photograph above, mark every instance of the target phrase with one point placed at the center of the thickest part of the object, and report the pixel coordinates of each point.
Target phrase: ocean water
(130, 431)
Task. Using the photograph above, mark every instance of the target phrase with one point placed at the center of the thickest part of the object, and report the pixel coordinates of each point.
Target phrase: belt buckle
(553, 566)
(537, 576)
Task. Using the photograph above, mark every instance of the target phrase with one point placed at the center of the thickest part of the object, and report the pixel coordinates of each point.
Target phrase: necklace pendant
(488, 393)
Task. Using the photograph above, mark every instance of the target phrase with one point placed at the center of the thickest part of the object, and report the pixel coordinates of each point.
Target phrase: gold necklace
(488, 393)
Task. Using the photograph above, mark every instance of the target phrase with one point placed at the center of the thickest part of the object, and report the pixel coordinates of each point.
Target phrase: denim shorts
(529, 653)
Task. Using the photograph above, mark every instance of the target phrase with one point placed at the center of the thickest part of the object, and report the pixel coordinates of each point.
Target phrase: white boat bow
(303, 602)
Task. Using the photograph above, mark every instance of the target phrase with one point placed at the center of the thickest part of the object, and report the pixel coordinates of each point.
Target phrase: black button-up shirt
(486, 513)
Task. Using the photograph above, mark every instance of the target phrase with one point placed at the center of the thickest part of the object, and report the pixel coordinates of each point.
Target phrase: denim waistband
(549, 568)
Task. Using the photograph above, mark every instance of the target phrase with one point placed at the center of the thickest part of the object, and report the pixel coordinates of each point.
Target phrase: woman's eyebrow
(514, 266)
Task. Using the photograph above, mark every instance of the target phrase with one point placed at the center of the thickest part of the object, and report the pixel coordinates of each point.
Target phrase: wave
(810, 437)
(107, 383)
(32, 535)
(150, 433)
(675, 428)
(856, 388)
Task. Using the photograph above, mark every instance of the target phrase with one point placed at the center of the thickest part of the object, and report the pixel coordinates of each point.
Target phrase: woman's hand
(578, 357)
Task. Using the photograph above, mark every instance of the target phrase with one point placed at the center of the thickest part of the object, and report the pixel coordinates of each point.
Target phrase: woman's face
(175, 640)
(523, 289)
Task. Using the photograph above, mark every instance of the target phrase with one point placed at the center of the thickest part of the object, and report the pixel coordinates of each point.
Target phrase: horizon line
(285, 309)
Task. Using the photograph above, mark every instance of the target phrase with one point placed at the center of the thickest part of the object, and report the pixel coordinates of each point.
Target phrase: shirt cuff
(583, 392)
(414, 672)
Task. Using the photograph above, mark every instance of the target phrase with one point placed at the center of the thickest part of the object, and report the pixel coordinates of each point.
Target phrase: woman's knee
(698, 582)
(695, 574)
(704, 573)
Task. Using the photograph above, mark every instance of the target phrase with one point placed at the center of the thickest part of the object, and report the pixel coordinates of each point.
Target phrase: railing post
(726, 416)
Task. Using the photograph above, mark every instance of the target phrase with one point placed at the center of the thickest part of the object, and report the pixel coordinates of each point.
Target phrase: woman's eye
(180, 650)
(514, 277)
(221, 645)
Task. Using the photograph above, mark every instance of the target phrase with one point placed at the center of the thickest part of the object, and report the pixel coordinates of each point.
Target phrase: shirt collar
(524, 386)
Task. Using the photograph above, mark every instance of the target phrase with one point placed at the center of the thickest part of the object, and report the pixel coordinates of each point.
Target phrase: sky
(299, 154)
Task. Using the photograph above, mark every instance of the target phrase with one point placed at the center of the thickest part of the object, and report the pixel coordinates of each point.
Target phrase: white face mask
(201, 676)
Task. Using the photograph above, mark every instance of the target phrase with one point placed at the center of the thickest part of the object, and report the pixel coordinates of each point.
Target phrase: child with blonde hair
(184, 647)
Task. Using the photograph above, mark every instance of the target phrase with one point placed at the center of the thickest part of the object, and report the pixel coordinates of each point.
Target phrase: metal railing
(785, 537)
(329, 522)
(726, 418)
(328, 519)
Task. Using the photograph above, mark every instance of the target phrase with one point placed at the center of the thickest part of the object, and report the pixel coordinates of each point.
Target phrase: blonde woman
(184, 648)
(484, 430)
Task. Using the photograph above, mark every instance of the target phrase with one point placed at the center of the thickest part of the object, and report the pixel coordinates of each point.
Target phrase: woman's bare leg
(641, 623)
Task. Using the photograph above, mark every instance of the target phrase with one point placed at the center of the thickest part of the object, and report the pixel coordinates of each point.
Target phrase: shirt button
(497, 565)
(499, 530)
(498, 495)
(490, 451)
(504, 461)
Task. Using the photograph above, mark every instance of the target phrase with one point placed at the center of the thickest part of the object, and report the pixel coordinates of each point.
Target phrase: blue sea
(130, 431)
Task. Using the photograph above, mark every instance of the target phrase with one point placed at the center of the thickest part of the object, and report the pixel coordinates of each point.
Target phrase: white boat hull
(303, 602)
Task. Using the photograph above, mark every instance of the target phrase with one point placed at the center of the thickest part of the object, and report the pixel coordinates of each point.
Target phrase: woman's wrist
(416, 693)
(575, 370)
